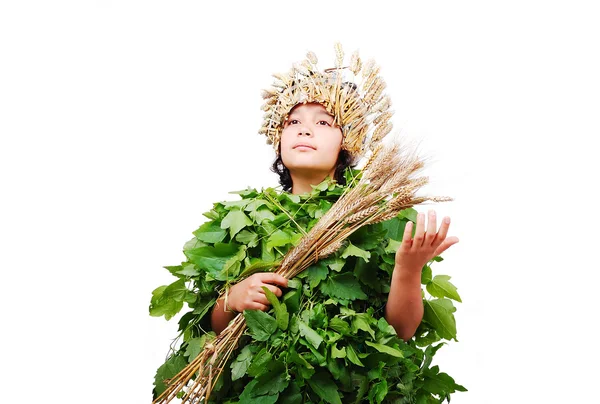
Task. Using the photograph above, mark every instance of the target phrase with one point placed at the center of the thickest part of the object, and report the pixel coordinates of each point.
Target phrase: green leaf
(203, 306)
(168, 300)
(352, 356)
(259, 363)
(438, 313)
(210, 232)
(338, 353)
(259, 266)
(316, 273)
(395, 228)
(235, 221)
(360, 322)
(189, 270)
(281, 238)
(393, 246)
(354, 251)
(306, 369)
(440, 383)
(291, 395)
(292, 197)
(292, 300)
(214, 259)
(249, 238)
(343, 286)
(272, 382)
(281, 314)
(260, 324)
(241, 363)
(441, 286)
(335, 264)
(260, 215)
(385, 327)
(379, 391)
(426, 275)
(247, 398)
(339, 325)
(410, 214)
(310, 334)
(325, 388)
(428, 339)
(166, 371)
(386, 349)
(193, 243)
(194, 347)
(257, 203)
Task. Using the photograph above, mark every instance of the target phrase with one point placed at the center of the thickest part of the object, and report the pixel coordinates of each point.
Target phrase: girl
(311, 148)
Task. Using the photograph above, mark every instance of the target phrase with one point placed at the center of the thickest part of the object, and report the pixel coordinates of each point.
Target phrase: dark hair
(285, 179)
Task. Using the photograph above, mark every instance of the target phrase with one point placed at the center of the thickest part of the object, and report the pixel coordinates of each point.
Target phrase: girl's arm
(404, 309)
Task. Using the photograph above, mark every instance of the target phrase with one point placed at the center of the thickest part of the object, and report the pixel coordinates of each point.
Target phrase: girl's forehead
(314, 108)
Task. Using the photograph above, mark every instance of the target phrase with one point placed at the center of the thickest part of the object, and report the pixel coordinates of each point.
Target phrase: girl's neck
(301, 182)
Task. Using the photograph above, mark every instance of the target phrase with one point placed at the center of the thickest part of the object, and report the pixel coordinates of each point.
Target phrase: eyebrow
(294, 113)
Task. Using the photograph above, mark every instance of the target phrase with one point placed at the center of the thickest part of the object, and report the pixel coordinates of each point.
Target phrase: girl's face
(310, 143)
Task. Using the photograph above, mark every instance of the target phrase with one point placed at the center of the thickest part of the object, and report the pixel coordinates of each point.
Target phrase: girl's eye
(293, 121)
(324, 123)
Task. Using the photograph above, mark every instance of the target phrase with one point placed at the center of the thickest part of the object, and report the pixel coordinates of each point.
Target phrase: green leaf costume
(326, 340)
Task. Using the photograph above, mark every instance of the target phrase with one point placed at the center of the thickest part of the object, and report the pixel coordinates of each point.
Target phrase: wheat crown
(352, 94)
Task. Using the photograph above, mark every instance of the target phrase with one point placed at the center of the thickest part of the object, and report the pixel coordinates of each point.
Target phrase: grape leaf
(440, 286)
(354, 251)
(167, 370)
(210, 232)
(235, 221)
(426, 275)
(316, 273)
(352, 356)
(260, 324)
(325, 388)
(259, 363)
(438, 313)
(386, 349)
(281, 238)
(344, 286)
(247, 398)
(248, 238)
(241, 363)
(310, 334)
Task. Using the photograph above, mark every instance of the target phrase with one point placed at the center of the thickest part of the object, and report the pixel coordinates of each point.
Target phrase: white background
(121, 122)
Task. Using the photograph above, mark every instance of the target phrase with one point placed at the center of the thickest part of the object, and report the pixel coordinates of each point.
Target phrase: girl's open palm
(415, 252)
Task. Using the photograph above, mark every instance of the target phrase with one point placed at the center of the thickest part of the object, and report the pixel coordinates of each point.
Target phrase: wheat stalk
(385, 188)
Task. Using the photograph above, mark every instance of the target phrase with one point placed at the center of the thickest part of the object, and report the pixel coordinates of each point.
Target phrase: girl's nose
(304, 130)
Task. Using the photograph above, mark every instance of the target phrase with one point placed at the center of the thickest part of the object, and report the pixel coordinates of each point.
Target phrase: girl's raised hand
(415, 252)
(249, 295)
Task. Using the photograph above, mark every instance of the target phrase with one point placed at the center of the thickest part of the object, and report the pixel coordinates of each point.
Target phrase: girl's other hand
(413, 254)
(249, 295)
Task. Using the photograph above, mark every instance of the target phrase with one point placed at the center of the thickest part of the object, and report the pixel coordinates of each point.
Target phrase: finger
(261, 298)
(273, 289)
(420, 232)
(407, 237)
(441, 235)
(431, 228)
(257, 306)
(447, 243)
(270, 277)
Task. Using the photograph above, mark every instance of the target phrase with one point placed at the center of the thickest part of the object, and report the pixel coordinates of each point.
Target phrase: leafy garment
(326, 340)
